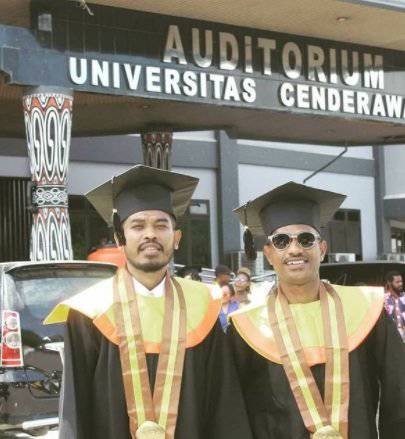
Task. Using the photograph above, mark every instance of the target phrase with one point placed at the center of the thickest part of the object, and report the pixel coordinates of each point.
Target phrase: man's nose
(149, 232)
(294, 247)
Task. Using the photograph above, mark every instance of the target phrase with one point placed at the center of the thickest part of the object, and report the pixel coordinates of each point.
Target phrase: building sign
(124, 52)
(238, 68)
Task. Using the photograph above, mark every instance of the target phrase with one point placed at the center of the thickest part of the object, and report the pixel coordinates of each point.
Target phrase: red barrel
(109, 253)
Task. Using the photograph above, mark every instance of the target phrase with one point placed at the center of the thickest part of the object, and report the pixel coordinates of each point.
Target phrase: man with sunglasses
(316, 360)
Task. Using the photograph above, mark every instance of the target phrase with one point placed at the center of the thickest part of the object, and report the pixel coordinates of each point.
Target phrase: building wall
(14, 166)
(84, 176)
(361, 152)
(195, 135)
(254, 180)
(394, 156)
(262, 166)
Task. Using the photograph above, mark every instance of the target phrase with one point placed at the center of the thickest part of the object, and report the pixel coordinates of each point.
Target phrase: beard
(149, 267)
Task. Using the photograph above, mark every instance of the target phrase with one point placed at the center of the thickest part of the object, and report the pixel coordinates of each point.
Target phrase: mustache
(148, 243)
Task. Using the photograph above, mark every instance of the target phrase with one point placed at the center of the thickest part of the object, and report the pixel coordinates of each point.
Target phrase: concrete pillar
(48, 123)
(382, 223)
(157, 149)
(228, 196)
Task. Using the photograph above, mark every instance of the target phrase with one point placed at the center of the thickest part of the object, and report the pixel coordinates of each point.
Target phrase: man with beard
(144, 355)
(395, 300)
(315, 360)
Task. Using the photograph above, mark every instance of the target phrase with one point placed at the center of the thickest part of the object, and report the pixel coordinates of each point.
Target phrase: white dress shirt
(158, 291)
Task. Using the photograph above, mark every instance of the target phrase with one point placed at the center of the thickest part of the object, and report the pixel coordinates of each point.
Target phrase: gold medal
(150, 430)
(327, 432)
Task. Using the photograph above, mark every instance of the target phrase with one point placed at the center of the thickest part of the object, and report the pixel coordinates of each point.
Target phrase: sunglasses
(282, 241)
(241, 279)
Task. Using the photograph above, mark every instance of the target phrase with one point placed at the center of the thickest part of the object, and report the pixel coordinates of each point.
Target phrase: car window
(38, 291)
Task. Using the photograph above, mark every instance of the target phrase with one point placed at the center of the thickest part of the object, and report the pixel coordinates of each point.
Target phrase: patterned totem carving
(157, 147)
(48, 122)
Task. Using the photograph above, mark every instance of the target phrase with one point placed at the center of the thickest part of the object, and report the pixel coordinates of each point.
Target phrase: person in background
(189, 272)
(228, 305)
(395, 300)
(242, 287)
(193, 275)
(223, 275)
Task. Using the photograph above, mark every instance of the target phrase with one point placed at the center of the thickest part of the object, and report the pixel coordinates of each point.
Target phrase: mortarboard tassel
(118, 228)
(248, 240)
(249, 244)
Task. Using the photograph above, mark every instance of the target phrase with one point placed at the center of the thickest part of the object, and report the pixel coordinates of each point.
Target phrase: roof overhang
(31, 55)
(379, 23)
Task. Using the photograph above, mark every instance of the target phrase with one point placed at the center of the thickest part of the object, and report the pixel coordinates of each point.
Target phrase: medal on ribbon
(328, 417)
(150, 430)
(150, 416)
(327, 432)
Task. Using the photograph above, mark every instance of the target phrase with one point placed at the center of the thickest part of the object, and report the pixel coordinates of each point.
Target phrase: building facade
(231, 172)
(279, 99)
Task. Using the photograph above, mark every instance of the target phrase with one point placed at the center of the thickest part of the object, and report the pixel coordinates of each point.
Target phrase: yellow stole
(203, 304)
(362, 306)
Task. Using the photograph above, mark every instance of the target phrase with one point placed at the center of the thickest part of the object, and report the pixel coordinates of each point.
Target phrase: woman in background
(242, 283)
(228, 305)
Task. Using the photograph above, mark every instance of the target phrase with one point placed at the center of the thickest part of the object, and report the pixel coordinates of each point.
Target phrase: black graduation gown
(93, 403)
(378, 364)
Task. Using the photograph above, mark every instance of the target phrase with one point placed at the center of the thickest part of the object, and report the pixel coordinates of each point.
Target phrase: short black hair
(222, 269)
(389, 277)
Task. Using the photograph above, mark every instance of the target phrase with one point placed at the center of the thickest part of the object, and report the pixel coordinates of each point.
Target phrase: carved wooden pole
(48, 123)
(157, 149)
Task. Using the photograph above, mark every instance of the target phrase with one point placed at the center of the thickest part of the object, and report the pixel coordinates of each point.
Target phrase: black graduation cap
(291, 203)
(143, 188)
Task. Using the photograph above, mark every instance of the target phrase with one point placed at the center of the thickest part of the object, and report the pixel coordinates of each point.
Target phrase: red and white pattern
(157, 149)
(48, 123)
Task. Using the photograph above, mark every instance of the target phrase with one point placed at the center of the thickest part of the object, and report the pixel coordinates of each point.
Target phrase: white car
(31, 353)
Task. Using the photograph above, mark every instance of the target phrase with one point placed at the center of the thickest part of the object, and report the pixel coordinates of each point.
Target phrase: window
(397, 240)
(195, 245)
(343, 233)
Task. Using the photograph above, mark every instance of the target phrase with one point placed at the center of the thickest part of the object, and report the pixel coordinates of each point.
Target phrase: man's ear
(177, 237)
(267, 252)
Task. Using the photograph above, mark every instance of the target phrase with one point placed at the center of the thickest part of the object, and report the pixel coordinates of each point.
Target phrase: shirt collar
(158, 291)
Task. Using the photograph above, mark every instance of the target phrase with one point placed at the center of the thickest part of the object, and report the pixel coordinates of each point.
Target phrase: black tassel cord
(249, 245)
(118, 228)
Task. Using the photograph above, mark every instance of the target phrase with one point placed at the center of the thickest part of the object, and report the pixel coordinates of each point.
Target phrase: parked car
(31, 353)
(361, 272)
